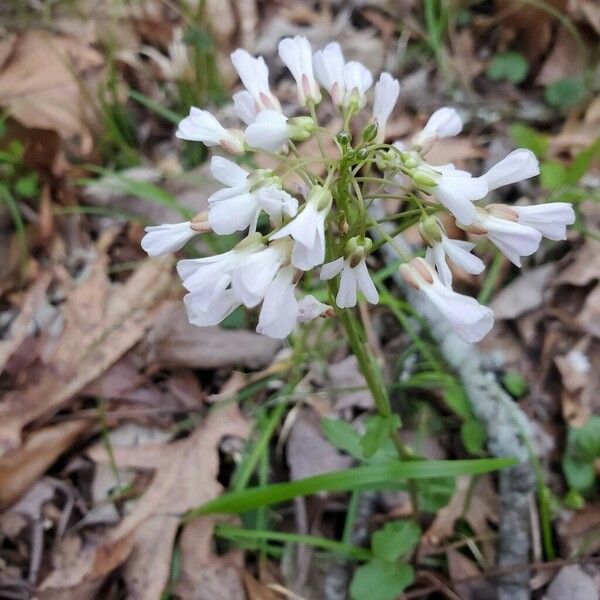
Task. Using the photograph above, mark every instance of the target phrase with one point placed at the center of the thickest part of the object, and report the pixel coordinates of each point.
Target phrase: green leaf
(378, 430)
(27, 186)
(372, 476)
(584, 442)
(456, 398)
(380, 580)
(580, 475)
(508, 66)
(516, 385)
(435, 493)
(529, 138)
(581, 163)
(553, 174)
(343, 436)
(473, 436)
(565, 93)
(395, 539)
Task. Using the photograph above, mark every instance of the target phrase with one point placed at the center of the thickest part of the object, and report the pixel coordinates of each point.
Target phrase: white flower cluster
(331, 219)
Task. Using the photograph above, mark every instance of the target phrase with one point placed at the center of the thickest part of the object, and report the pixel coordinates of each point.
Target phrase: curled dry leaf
(42, 79)
(102, 321)
(21, 468)
(185, 476)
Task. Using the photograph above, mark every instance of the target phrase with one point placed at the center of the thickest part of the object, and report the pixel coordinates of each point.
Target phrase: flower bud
(362, 154)
(301, 128)
(344, 138)
(430, 230)
(321, 197)
(369, 133)
(423, 177)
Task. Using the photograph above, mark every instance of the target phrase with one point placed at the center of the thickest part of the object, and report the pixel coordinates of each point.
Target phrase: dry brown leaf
(20, 468)
(457, 149)
(185, 476)
(102, 322)
(308, 452)
(204, 574)
(565, 59)
(523, 294)
(481, 509)
(18, 329)
(256, 590)
(41, 82)
(173, 342)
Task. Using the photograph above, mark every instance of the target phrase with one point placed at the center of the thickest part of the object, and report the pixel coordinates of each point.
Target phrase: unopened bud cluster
(326, 223)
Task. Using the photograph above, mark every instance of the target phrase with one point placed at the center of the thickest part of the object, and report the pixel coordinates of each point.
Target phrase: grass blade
(347, 479)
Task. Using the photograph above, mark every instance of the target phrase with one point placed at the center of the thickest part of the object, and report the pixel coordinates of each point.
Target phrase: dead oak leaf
(102, 321)
(185, 477)
(41, 82)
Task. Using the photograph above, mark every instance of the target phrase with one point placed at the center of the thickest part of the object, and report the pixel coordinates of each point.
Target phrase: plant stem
(374, 379)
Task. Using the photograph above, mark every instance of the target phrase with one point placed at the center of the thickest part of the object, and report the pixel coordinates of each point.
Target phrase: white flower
(236, 207)
(550, 220)
(269, 131)
(207, 277)
(310, 308)
(329, 70)
(357, 80)
(308, 230)
(444, 122)
(218, 308)
(456, 190)
(279, 311)
(296, 53)
(512, 238)
(161, 239)
(459, 252)
(518, 165)
(469, 319)
(245, 107)
(254, 74)
(277, 203)
(387, 90)
(352, 280)
(253, 275)
(201, 126)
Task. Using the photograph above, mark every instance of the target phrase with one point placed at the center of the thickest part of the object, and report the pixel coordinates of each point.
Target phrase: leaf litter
(91, 323)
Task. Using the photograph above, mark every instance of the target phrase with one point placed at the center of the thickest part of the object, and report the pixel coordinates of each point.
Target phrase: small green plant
(508, 66)
(18, 183)
(388, 573)
(583, 448)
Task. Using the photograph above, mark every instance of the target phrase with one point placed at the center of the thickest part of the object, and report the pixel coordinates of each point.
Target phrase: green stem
(374, 379)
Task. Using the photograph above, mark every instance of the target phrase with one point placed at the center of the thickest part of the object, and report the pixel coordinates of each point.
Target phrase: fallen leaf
(153, 523)
(102, 321)
(348, 385)
(174, 342)
(308, 452)
(564, 61)
(41, 82)
(480, 510)
(18, 329)
(523, 294)
(206, 575)
(20, 468)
